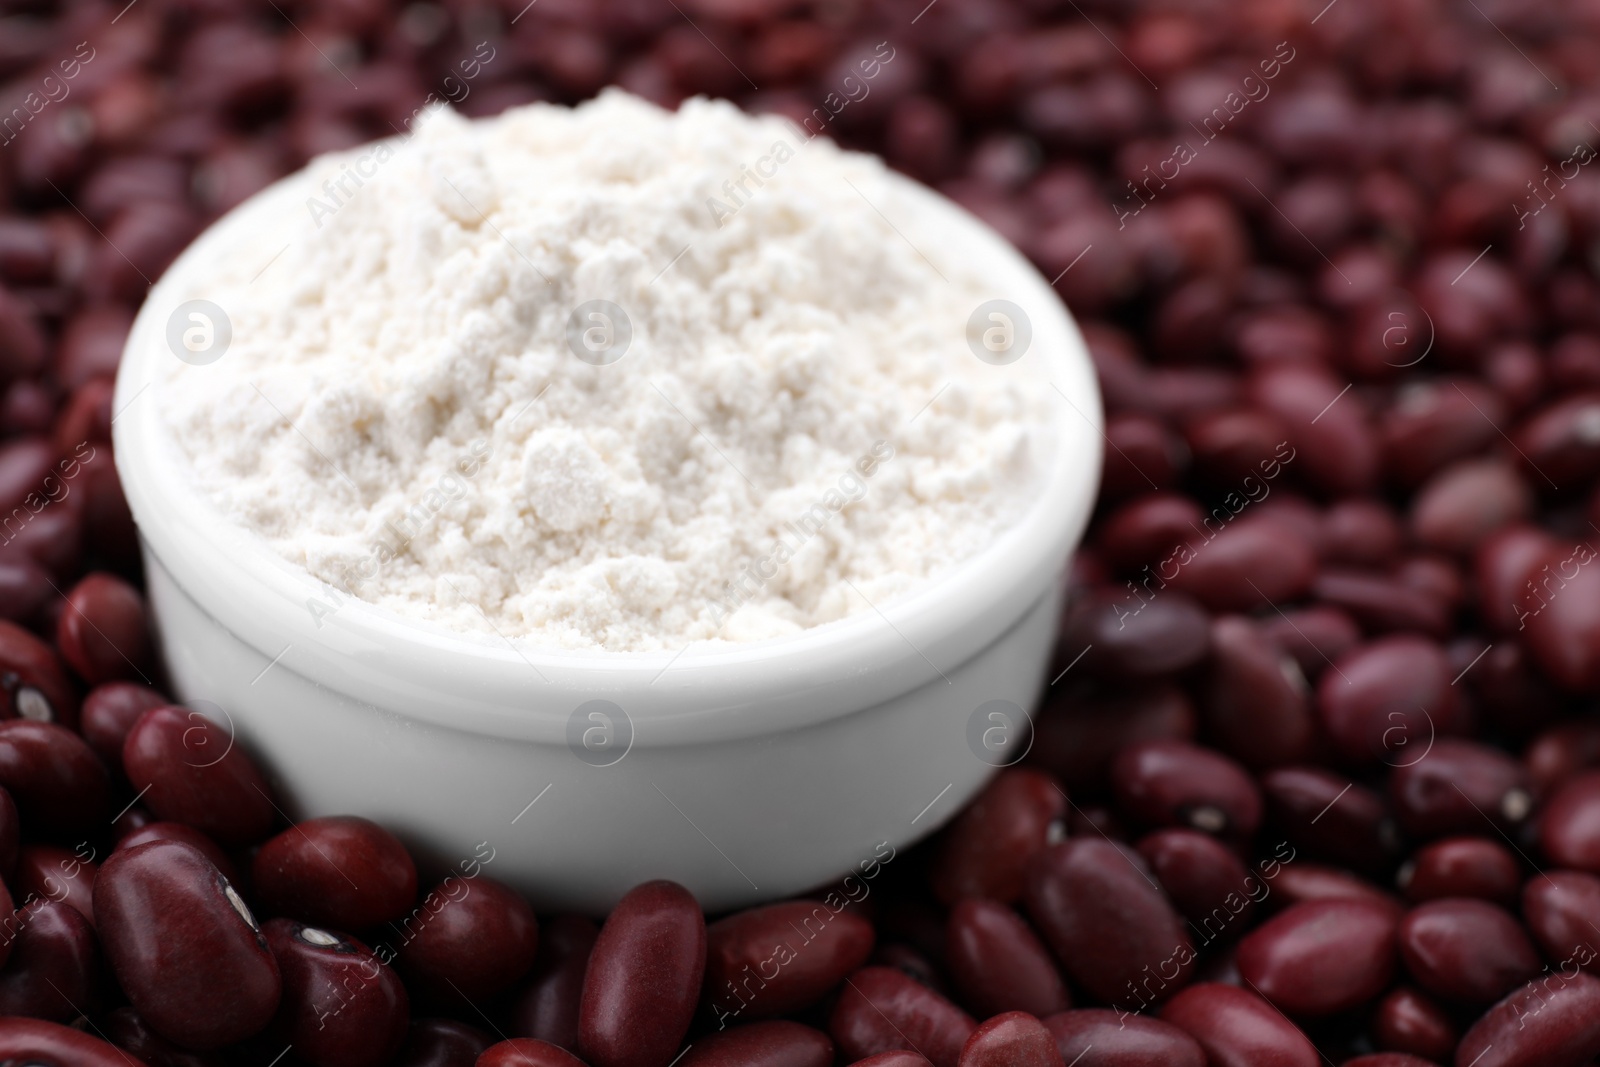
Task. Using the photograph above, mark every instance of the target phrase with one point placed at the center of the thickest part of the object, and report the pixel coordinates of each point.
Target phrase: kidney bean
(469, 938)
(1463, 504)
(1240, 564)
(1562, 618)
(1387, 699)
(127, 1029)
(1256, 701)
(109, 712)
(1561, 909)
(51, 967)
(1015, 1039)
(1077, 734)
(38, 1043)
(1361, 532)
(1299, 881)
(196, 773)
(24, 586)
(344, 872)
(33, 682)
(1515, 696)
(988, 847)
(1566, 1011)
(1120, 1040)
(58, 874)
(102, 633)
(340, 1006)
(183, 945)
(1206, 883)
(1560, 752)
(527, 1052)
(1236, 1028)
(1569, 828)
(1147, 530)
(1136, 633)
(177, 831)
(1232, 445)
(893, 1058)
(1321, 958)
(1337, 452)
(1380, 603)
(1331, 816)
(55, 779)
(1407, 1021)
(1462, 867)
(810, 945)
(1389, 1059)
(998, 964)
(765, 1044)
(1460, 787)
(881, 1010)
(1435, 577)
(442, 1043)
(1141, 451)
(1467, 951)
(643, 979)
(1108, 923)
(548, 1008)
(1313, 637)
(1561, 442)
(1175, 783)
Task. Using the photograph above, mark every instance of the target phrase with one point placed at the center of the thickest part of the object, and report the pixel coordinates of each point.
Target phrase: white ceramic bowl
(752, 772)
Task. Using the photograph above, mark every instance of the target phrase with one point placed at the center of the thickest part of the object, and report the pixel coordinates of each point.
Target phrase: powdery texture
(796, 432)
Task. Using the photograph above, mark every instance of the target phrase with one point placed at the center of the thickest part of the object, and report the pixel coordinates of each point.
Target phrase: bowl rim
(516, 688)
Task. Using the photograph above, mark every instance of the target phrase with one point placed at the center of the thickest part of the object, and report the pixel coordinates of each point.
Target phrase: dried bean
(882, 1010)
(643, 979)
(342, 872)
(811, 946)
(1467, 951)
(998, 964)
(987, 850)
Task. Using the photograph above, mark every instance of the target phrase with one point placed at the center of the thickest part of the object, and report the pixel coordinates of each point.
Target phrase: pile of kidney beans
(1317, 774)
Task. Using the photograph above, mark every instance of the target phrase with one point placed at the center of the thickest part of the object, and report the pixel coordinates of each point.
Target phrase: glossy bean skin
(1174, 783)
(1566, 1009)
(1312, 636)
(810, 945)
(526, 1052)
(1236, 1028)
(1115, 933)
(1466, 951)
(1257, 703)
(1130, 635)
(1560, 753)
(1122, 1041)
(1303, 880)
(38, 1043)
(442, 1043)
(548, 1008)
(997, 963)
(52, 964)
(195, 773)
(341, 1007)
(32, 680)
(57, 782)
(183, 947)
(342, 872)
(883, 1010)
(1331, 816)
(1460, 787)
(643, 979)
(1387, 699)
(767, 1044)
(1561, 910)
(1406, 1020)
(127, 1029)
(987, 849)
(1076, 738)
(109, 712)
(1462, 867)
(1205, 881)
(470, 937)
(1562, 618)
(177, 831)
(1249, 563)
(1321, 958)
(66, 876)
(1014, 1039)
(894, 1058)
(1569, 827)
(102, 632)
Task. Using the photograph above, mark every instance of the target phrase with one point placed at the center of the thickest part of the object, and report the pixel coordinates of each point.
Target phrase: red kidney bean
(766, 1044)
(33, 682)
(56, 781)
(1407, 1021)
(127, 1029)
(1565, 1013)
(1232, 445)
(1331, 816)
(548, 1008)
(1435, 577)
(1468, 951)
(1515, 696)
(1333, 446)
(1256, 701)
(1077, 734)
(1136, 632)
(894, 1058)
(1206, 883)
(1122, 1040)
(1379, 603)
(1569, 827)
(1314, 637)
(1559, 442)
(38, 1043)
(102, 632)
(881, 1010)
(1146, 530)
(50, 873)
(1015, 1039)
(52, 964)
(1142, 451)
(1560, 752)
(1361, 533)
(1300, 881)
(177, 831)
(1387, 699)
(1236, 1028)
(988, 847)
(809, 945)
(644, 978)
(911, 963)
(1108, 923)
(341, 1007)
(1463, 504)
(196, 773)
(1241, 564)
(109, 712)
(998, 965)
(1321, 958)
(183, 945)
(24, 585)
(1389, 1059)
(526, 1052)
(1561, 910)
(442, 1043)
(341, 871)
(1462, 867)
(470, 937)
(1460, 787)
(1174, 783)
(1562, 618)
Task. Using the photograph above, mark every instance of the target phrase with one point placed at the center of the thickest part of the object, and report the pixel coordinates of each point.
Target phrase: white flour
(796, 431)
